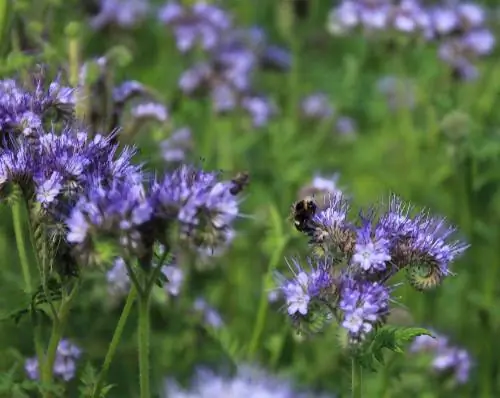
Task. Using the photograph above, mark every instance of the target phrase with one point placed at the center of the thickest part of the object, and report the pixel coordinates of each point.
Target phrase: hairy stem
(25, 267)
(143, 340)
(56, 335)
(21, 245)
(114, 342)
(356, 379)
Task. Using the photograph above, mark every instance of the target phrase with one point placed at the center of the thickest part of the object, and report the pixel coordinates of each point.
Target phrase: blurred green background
(442, 153)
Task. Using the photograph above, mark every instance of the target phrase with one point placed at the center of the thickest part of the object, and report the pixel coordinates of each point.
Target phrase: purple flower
(127, 90)
(446, 358)
(346, 126)
(195, 77)
(150, 110)
(204, 206)
(175, 147)
(427, 240)
(57, 166)
(364, 305)
(335, 214)
(201, 23)
(175, 278)
(372, 249)
(305, 286)
(317, 106)
(210, 315)
(479, 42)
(117, 278)
(123, 13)
(249, 382)
(64, 365)
(260, 109)
(22, 109)
(118, 210)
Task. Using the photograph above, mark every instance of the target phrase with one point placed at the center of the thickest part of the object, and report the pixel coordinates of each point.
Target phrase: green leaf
(393, 338)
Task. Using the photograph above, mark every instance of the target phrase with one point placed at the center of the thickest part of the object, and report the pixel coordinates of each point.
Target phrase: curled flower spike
(421, 244)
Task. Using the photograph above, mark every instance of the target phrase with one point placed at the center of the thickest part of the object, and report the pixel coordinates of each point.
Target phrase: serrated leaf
(406, 334)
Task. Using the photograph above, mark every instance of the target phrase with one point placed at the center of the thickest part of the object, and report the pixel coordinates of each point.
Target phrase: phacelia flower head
(372, 248)
(364, 305)
(23, 110)
(118, 210)
(331, 231)
(202, 205)
(304, 293)
(422, 244)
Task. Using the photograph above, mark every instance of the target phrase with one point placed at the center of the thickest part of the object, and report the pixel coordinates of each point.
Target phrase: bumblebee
(302, 213)
(239, 182)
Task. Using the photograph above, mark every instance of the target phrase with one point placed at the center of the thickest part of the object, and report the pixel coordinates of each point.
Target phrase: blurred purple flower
(210, 316)
(64, 365)
(123, 13)
(175, 147)
(446, 357)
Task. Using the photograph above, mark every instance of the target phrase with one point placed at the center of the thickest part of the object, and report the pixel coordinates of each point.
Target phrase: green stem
(21, 246)
(114, 342)
(143, 340)
(260, 321)
(56, 335)
(25, 267)
(356, 379)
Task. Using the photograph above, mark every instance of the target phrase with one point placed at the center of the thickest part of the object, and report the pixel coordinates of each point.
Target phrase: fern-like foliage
(392, 338)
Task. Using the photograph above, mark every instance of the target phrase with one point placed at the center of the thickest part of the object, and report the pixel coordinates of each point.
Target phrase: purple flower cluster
(131, 210)
(202, 24)
(91, 203)
(364, 305)
(446, 358)
(23, 110)
(459, 28)
(233, 56)
(65, 363)
(353, 260)
(122, 13)
(249, 382)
